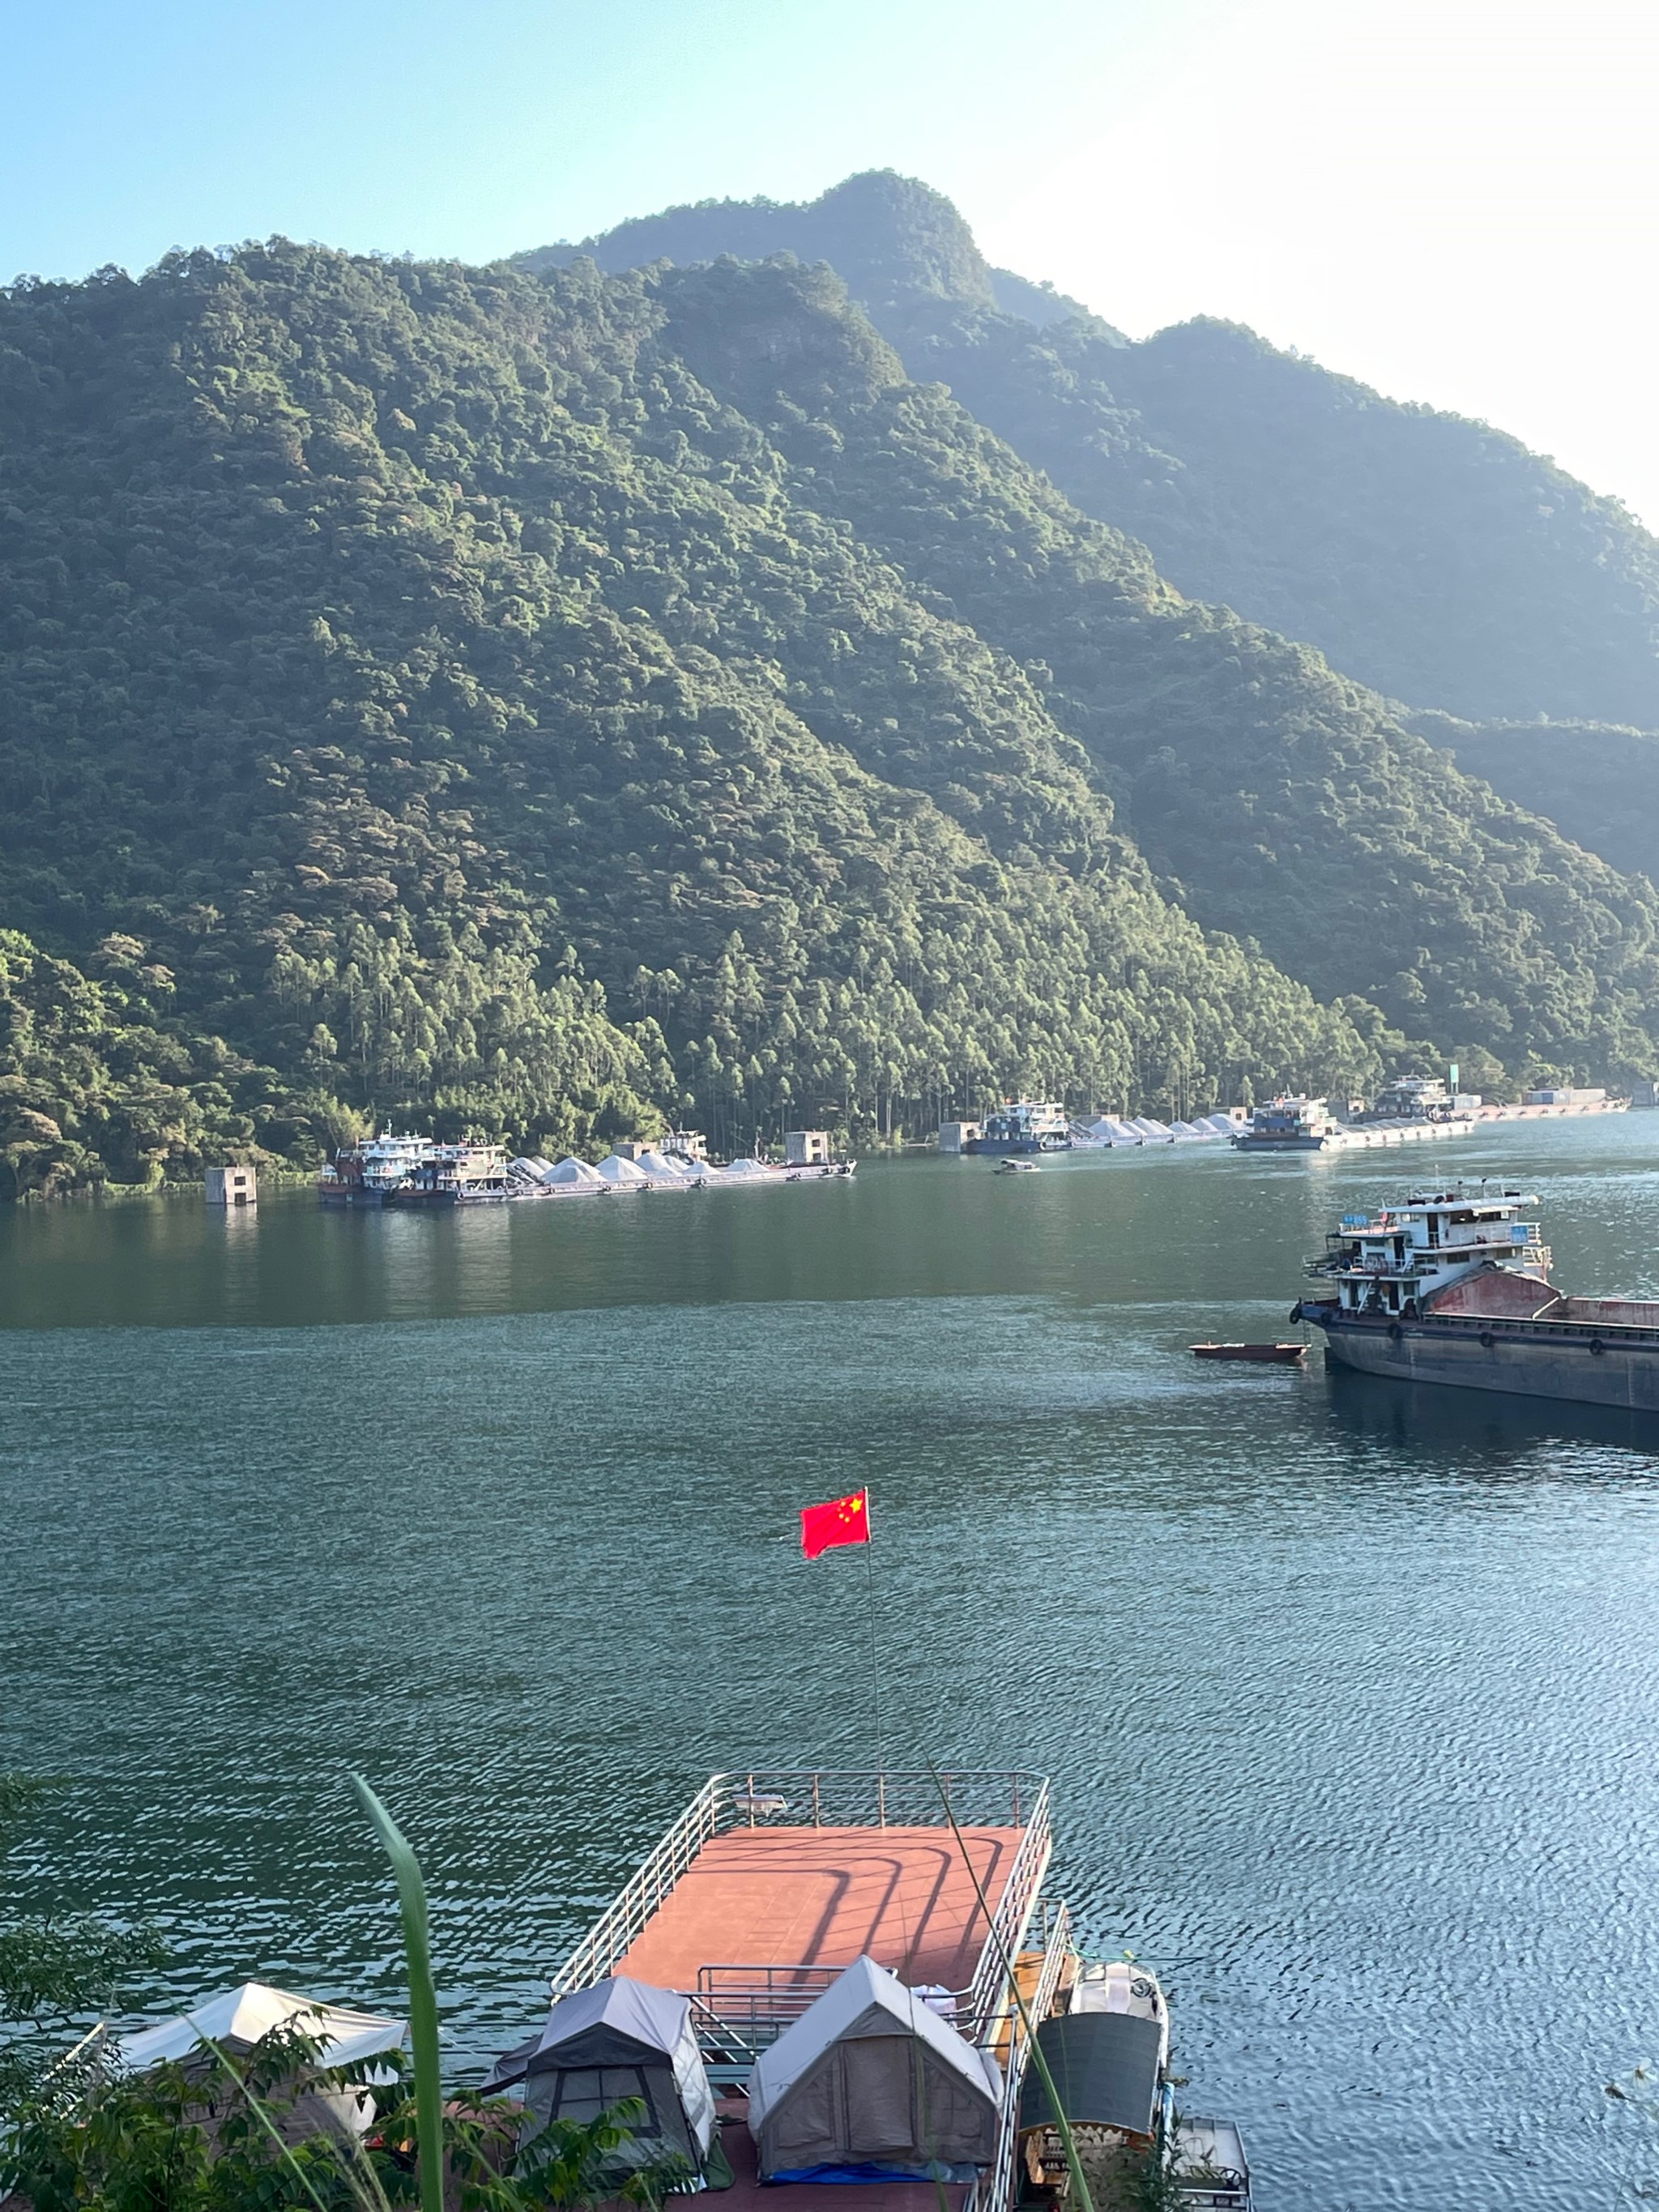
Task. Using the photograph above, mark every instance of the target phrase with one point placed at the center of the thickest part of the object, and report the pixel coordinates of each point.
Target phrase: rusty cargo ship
(1454, 1286)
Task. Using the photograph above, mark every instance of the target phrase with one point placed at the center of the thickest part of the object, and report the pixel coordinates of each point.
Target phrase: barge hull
(1515, 1357)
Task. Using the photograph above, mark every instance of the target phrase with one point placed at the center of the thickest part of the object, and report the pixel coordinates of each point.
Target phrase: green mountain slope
(1598, 784)
(1433, 558)
(893, 239)
(1287, 803)
(435, 697)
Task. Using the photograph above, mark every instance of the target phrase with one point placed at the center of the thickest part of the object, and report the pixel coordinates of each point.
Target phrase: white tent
(572, 1171)
(241, 2016)
(870, 2085)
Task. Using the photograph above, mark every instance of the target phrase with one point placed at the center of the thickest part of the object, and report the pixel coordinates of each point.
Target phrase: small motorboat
(1016, 1167)
(1277, 1355)
(1107, 2057)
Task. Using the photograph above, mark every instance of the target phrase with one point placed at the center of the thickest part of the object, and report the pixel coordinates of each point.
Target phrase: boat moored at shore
(854, 1959)
(1452, 1287)
(1307, 1125)
(1024, 1125)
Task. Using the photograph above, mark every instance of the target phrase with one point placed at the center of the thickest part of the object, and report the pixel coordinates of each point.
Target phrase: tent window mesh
(585, 2092)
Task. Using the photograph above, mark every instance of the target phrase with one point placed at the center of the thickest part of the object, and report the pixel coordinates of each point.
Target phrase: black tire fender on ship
(1488, 1340)
(1597, 1347)
(1395, 1332)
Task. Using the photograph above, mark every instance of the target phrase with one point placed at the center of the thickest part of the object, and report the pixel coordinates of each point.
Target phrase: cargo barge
(1454, 1286)
(826, 1976)
(1023, 1126)
(1305, 1125)
(414, 1171)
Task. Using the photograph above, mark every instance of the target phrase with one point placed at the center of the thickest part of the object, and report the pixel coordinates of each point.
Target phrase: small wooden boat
(1280, 1355)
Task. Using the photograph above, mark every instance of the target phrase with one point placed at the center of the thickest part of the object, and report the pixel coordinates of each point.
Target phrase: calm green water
(1348, 1692)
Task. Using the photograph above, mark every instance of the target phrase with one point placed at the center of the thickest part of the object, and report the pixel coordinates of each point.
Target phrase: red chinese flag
(842, 1521)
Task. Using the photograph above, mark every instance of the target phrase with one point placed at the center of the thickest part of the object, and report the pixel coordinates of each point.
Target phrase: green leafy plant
(58, 1973)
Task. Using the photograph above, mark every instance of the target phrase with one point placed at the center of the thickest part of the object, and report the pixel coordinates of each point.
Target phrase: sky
(1456, 201)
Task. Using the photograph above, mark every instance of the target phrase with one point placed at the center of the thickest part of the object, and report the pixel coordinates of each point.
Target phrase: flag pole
(875, 1650)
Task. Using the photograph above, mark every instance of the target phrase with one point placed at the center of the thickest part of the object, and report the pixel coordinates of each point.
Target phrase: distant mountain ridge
(1433, 558)
(892, 239)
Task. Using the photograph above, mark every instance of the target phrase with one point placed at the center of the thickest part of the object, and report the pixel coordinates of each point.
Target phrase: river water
(1347, 1692)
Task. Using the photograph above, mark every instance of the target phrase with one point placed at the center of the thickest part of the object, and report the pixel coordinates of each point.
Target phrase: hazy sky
(1456, 200)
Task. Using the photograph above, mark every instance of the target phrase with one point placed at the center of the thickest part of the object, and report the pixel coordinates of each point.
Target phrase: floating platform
(1275, 1355)
(777, 1907)
(769, 1887)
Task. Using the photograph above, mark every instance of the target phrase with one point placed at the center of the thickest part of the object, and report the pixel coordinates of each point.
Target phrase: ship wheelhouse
(1397, 1262)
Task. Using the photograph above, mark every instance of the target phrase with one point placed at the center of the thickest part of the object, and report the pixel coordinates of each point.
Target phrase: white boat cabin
(1396, 1263)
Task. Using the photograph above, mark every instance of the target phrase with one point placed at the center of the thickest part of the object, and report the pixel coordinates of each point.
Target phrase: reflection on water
(1476, 1428)
(1348, 1689)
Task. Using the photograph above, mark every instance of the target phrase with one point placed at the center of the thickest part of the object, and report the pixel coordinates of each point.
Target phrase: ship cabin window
(1399, 1249)
(583, 2092)
(1393, 1297)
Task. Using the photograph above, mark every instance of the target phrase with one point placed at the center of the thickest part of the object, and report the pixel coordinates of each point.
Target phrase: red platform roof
(784, 1897)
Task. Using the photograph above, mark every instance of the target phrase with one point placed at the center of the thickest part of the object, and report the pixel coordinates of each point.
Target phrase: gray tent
(869, 2085)
(622, 2039)
(1105, 2066)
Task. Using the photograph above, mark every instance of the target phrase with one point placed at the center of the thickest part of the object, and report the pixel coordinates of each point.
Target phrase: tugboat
(1023, 1126)
(1290, 1124)
(1452, 1287)
(454, 1175)
(413, 1171)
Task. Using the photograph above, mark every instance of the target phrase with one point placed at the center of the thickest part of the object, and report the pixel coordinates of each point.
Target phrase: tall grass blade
(422, 1997)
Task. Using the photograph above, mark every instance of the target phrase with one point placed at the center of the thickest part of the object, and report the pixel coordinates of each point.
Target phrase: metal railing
(995, 2190)
(756, 2003)
(624, 1921)
(1011, 1916)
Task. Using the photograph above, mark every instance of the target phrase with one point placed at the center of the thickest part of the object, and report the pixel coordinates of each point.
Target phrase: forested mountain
(894, 242)
(420, 691)
(1433, 558)
(1599, 784)
(554, 701)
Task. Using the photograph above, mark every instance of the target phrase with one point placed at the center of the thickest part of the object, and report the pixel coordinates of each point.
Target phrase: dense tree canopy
(1598, 784)
(544, 704)
(421, 692)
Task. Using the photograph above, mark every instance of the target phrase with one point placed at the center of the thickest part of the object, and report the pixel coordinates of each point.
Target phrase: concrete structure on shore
(807, 1148)
(232, 1186)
